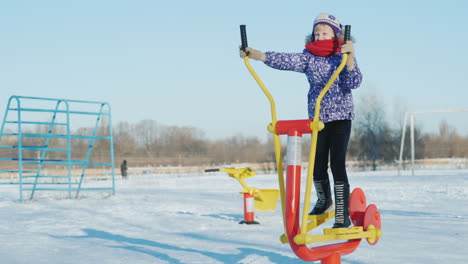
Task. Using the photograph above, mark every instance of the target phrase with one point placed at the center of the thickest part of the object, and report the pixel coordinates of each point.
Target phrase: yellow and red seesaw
(366, 219)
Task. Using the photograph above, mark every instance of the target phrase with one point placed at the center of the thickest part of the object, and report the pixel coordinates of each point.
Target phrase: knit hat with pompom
(330, 20)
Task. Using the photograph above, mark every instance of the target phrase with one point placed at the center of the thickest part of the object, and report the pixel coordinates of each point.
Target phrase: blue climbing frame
(32, 173)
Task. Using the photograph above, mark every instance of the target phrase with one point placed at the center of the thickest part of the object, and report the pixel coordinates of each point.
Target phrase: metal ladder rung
(49, 183)
(43, 148)
(16, 171)
(50, 189)
(57, 111)
(36, 123)
(55, 136)
(44, 176)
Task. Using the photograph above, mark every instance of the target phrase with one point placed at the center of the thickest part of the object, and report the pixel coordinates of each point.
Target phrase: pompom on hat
(330, 20)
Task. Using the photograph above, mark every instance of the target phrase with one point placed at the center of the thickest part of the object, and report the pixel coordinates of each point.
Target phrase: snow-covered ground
(193, 218)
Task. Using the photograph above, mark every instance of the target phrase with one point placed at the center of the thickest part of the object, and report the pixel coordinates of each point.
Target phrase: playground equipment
(37, 145)
(260, 199)
(366, 220)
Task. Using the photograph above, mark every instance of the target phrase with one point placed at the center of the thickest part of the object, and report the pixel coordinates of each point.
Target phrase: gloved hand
(253, 54)
(348, 48)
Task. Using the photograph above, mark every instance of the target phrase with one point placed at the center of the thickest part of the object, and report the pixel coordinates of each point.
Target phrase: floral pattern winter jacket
(337, 104)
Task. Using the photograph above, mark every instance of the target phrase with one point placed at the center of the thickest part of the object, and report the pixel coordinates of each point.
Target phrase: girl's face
(323, 32)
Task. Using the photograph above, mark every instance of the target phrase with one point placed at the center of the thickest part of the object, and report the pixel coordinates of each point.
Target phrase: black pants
(332, 141)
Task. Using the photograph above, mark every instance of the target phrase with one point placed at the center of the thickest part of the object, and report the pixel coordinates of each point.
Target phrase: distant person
(123, 169)
(320, 58)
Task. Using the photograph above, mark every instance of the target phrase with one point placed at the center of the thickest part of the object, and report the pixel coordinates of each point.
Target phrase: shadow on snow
(140, 245)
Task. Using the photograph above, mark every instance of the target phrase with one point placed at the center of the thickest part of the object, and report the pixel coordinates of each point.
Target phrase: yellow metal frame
(240, 175)
(264, 199)
(311, 222)
(333, 234)
(316, 125)
(276, 139)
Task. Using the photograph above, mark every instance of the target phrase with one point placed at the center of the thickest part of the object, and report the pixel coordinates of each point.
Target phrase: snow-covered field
(194, 219)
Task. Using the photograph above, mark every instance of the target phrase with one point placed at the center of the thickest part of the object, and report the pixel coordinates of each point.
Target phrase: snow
(193, 218)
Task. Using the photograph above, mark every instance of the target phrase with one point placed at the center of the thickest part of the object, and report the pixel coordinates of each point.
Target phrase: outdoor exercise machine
(366, 219)
(33, 126)
(254, 198)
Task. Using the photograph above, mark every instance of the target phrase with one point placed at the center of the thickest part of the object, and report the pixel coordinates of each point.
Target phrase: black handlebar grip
(347, 33)
(211, 170)
(243, 32)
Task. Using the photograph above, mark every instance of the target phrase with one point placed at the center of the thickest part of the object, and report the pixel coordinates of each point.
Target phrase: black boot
(324, 201)
(342, 205)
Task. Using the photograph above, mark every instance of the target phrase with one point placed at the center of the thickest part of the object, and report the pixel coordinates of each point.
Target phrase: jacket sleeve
(351, 79)
(287, 61)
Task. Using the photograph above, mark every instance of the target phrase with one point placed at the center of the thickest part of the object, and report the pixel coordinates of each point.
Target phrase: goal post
(411, 115)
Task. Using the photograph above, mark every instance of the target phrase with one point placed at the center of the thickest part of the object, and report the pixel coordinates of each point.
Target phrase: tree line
(373, 141)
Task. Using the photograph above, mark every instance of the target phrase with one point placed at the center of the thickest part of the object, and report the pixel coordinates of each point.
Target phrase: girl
(320, 58)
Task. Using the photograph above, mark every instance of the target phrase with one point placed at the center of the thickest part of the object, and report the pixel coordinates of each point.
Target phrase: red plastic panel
(299, 126)
(357, 206)
(372, 217)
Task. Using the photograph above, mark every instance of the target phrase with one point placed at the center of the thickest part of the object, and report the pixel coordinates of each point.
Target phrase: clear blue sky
(177, 62)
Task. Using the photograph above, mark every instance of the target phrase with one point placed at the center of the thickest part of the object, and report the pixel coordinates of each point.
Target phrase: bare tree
(147, 133)
(369, 124)
(124, 142)
(188, 140)
(446, 144)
